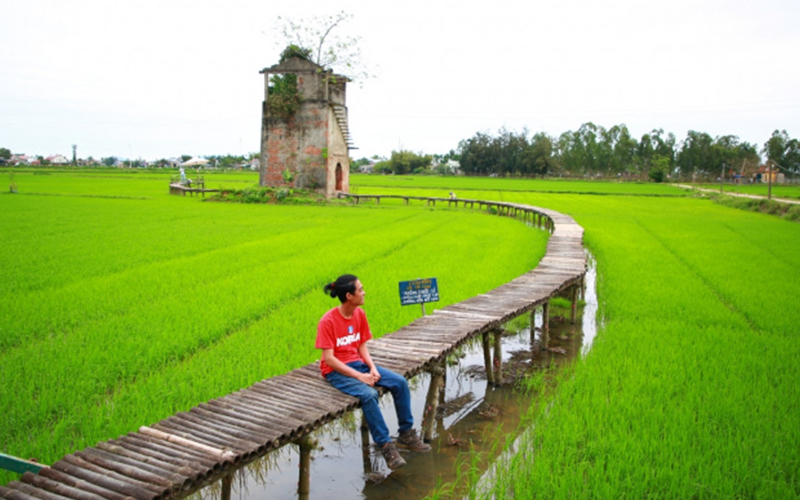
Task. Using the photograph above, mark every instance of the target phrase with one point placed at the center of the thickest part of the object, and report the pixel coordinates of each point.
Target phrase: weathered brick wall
(309, 144)
(337, 154)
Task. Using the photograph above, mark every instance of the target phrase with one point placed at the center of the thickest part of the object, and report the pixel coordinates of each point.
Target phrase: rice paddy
(690, 389)
(137, 305)
(116, 312)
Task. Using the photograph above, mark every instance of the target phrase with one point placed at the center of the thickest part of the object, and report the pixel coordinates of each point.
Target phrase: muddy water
(473, 423)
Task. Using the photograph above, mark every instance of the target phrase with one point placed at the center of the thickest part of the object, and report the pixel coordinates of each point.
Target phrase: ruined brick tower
(308, 148)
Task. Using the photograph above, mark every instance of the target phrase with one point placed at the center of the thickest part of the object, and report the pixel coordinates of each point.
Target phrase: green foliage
(783, 151)
(594, 151)
(787, 211)
(659, 169)
(405, 162)
(508, 154)
(711, 158)
(283, 96)
(226, 161)
(269, 195)
(292, 50)
(382, 167)
(5, 153)
(355, 164)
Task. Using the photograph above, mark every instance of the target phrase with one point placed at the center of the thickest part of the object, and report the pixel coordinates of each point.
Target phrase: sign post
(419, 291)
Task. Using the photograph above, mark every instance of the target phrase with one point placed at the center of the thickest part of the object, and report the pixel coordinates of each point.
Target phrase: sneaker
(392, 456)
(410, 440)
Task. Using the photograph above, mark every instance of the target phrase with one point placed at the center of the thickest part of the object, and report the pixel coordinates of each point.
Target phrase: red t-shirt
(343, 335)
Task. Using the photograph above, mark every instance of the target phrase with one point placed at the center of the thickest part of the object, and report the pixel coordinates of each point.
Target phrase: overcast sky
(159, 78)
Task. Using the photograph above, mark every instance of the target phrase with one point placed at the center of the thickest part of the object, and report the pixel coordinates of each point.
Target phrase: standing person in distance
(342, 334)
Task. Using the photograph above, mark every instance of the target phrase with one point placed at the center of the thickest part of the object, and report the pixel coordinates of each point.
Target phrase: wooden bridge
(190, 450)
(181, 188)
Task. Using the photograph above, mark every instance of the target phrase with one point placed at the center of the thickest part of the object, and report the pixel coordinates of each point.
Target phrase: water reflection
(474, 423)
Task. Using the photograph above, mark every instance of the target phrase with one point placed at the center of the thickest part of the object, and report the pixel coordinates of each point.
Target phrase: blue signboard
(419, 291)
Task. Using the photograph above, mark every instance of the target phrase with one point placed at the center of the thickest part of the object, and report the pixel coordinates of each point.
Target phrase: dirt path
(742, 195)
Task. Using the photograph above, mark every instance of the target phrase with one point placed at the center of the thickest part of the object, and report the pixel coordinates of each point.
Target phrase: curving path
(740, 195)
(187, 451)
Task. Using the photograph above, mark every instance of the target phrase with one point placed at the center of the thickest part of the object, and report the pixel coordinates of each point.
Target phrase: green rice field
(467, 187)
(122, 305)
(137, 305)
(690, 390)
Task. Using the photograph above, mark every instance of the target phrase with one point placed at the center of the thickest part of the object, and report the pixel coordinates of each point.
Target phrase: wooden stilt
(574, 311)
(365, 447)
(498, 357)
(306, 444)
(432, 403)
(487, 358)
(227, 482)
(583, 287)
(545, 325)
(442, 395)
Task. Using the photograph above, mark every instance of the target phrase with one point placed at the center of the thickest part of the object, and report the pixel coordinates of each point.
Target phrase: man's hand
(368, 378)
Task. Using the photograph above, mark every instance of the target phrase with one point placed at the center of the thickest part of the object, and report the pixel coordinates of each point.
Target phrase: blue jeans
(395, 383)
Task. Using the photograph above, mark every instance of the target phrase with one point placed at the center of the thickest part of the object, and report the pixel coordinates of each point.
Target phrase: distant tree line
(408, 162)
(229, 162)
(594, 151)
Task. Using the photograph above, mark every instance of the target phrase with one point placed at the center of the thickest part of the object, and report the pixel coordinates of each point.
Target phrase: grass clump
(788, 211)
(271, 195)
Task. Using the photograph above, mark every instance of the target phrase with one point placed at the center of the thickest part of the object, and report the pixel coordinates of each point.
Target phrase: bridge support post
(487, 358)
(306, 444)
(226, 482)
(574, 309)
(498, 357)
(365, 447)
(545, 325)
(432, 402)
(583, 287)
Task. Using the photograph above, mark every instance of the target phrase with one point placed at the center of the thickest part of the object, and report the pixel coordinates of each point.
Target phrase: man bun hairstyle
(343, 285)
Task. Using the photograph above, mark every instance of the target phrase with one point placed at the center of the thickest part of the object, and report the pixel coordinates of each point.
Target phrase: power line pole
(769, 180)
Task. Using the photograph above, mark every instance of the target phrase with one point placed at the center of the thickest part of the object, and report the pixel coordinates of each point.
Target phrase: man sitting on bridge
(342, 334)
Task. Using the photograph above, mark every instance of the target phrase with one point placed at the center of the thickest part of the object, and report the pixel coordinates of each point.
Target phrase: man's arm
(339, 367)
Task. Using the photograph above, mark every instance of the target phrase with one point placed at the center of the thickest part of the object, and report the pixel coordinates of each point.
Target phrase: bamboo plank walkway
(190, 450)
